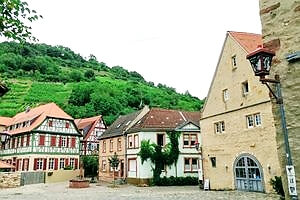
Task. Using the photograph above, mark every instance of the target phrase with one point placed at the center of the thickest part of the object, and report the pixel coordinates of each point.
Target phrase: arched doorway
(248, 174)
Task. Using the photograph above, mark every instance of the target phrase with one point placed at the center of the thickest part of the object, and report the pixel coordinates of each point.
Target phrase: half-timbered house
(44, 138)
(91, 129)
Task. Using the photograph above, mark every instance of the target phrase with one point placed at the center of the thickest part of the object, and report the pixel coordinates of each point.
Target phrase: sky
(173, 42)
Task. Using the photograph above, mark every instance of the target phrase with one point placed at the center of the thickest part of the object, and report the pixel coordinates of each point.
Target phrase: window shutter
(17, 167)
(45, 164)
(23, 165)
(60, 141)
(55, 163)
(76, 163)
(53, 140)
(67, 141)
(66, 161)
(35, 164)
(42, 140)
(28, 140)
(73, 142)
(22, 140)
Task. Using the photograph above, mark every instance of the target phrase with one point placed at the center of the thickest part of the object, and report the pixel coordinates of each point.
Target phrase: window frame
(225, 95)
(51, 164)
(132, 159)
(104, 146)
(254, 120)
(119, 144)
(62, 162)
(163, 139)
(136, 142)
(111, 145)
(213, 161)
(189, 136)
(130, 142)
(219, 127)
(190, 161)
(233, 61)
(244, 92)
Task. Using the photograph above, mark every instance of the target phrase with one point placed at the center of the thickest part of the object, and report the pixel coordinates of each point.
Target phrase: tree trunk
(113, 176)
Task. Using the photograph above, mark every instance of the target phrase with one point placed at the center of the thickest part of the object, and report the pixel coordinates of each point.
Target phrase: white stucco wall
(144, 170)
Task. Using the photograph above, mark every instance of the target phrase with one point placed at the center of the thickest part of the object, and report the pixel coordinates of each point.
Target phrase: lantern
(261, 60)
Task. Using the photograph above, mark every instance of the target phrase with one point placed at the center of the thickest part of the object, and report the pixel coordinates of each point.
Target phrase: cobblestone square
(59, 191)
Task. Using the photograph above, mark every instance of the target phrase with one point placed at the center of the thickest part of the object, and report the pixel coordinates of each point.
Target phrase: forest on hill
(83, 87)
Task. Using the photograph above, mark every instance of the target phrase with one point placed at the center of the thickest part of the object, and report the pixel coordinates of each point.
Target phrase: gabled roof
(5, 121)
(158, 119)
(87, 124)
(120, 125)
(37, 115)
(249, 41)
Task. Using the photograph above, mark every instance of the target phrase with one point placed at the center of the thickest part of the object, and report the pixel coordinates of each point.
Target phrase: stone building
(280, 29)
(237, 124)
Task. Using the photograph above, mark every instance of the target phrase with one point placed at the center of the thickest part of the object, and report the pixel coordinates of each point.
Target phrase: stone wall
(61, 175)
(281, 31)
(10, 179)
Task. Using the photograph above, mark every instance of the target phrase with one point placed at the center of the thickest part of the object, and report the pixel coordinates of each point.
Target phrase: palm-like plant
(114, 163)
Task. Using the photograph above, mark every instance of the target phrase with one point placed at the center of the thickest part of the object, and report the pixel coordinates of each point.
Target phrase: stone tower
(281, 33)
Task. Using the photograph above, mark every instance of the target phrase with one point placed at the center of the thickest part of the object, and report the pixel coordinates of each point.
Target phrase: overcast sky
(174, 42)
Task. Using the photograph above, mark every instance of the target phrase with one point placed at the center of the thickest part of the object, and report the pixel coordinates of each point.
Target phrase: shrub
(68, 167)
(176, 181)
(277, 185)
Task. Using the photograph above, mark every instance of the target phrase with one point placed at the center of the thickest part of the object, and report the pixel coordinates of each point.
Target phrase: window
(130, 142)
(39, 165)
(132, 165)
(220, 127)
(111, 145)
(253, 120)
(189, 140)
(136, 141)
(161, 139)
(104, 146)
(245, 88)
(225, 95)
(72, 162)
(190, 164)
(25, 164)
(51, 163)
(67, 125)
(103, 165)
(42, 140)
(61, 163)
(50, 123)
(22, 140)
(213, 161)
(233, 62)
(63, 141)
(119, 144)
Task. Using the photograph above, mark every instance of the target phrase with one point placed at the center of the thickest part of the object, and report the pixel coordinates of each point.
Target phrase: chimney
(27, 109)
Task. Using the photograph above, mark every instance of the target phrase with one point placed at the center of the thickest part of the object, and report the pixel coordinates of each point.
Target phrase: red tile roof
(5, 121)
(249, 41)
(164, 119)
(87, 123)
(39, 114)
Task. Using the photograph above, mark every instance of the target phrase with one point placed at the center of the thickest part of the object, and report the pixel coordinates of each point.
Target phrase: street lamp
(261, 60)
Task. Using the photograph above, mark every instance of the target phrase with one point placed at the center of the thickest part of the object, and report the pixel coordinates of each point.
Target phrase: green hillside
(40, 73)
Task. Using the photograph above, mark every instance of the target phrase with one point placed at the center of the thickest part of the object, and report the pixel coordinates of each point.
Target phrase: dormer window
(67, 125)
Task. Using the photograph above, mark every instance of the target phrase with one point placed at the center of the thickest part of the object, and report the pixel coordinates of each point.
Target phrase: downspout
(125, 157)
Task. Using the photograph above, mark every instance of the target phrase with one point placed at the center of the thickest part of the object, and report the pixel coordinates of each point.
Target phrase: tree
(114, 163)
(89, 74)
(159, 156)
(90, 165)
(14, 14)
